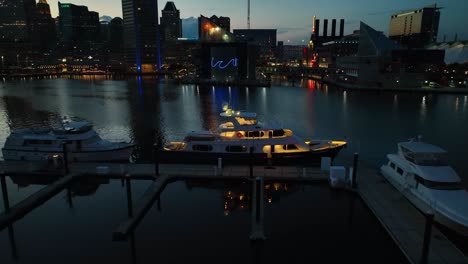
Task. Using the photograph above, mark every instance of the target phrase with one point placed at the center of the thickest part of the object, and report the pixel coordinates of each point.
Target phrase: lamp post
(17, 60)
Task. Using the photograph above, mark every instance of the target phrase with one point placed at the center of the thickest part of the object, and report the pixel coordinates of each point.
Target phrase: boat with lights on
(420, 172)
(241, 133)
(82, 142)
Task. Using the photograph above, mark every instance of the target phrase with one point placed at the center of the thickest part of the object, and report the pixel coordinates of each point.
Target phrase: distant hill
(105, 19)
(190, 27)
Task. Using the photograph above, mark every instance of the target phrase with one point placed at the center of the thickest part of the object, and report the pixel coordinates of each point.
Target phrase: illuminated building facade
(141, 35)
(415, 28)
(171, 24)
(225, 62)
(78, 24)
(209, 30)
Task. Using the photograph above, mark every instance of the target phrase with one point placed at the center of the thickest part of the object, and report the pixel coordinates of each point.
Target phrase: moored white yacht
(240, 133)
(420, 172)
(82, 142)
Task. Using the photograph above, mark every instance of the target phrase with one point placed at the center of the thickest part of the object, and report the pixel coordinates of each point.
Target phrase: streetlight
(17, 60)
(3, 62)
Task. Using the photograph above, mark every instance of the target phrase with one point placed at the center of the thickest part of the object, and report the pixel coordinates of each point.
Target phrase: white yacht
(240, 133)
(82, 142)
(420, 172)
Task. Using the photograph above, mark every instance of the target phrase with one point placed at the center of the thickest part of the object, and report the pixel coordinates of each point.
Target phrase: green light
(65, 6)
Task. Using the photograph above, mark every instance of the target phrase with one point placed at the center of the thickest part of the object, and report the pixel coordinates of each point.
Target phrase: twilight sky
(293, 18)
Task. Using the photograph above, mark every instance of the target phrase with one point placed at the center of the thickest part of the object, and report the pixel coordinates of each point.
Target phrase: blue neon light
(219, 64)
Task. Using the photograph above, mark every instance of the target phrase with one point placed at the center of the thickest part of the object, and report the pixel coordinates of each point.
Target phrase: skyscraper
(44, 31)
(141, 31)
(223, 22)
(415, 28)
(16, 18)
(171, 24)
(78, 24)
(210, 30)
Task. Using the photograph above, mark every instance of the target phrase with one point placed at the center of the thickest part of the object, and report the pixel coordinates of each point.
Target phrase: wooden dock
(403, 221)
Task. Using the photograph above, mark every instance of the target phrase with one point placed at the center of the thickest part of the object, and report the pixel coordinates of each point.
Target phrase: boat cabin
(423, 154)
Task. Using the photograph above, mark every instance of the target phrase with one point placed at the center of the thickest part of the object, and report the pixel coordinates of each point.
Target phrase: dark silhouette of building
(116, 34)
(171, 24)
(141, 35)
(316, 41)
(223, 22)
(44, 32)
(264, 38)
(209, 30)
(78, 24)
(16, 19)
(415, 28)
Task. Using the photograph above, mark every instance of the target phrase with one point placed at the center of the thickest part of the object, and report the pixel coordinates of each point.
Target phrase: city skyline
(297, 26)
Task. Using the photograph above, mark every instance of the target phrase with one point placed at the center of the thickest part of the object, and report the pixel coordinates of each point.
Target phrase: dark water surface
(200, 221)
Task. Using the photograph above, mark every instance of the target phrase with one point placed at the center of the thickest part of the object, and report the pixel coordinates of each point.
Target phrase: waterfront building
(227, 62)
(415, 28)
(264, 38)
(141, 35)
(171, 24)
(78, 24)
(382, 63)
(209, 30)
(317, 40)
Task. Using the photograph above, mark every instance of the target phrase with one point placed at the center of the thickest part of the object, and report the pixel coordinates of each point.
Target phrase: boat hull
(309, 158)
(105, 155)
(422, 205)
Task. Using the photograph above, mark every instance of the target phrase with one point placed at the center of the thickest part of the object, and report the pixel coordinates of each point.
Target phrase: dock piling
(257, 210)
(355, 168)
(65, 157)
(427, 237)
(129, 196)
(156, 159)
(251, 150)
(6, 202)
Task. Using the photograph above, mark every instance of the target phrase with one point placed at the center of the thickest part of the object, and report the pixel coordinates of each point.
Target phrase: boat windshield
(427, 159)
(442, 185)
(246, 121)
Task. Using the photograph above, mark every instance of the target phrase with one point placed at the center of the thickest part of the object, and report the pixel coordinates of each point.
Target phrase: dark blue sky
(293, 18)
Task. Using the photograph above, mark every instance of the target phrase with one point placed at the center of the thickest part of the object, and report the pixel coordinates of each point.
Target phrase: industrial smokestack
(341, 28)
(333, 32)
(325, 27)
(317, 27)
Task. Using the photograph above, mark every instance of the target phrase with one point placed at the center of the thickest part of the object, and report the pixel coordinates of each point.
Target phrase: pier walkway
(403, 221)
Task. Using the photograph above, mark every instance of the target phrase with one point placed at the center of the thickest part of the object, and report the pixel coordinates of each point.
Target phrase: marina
(130, 208)
(404, 223)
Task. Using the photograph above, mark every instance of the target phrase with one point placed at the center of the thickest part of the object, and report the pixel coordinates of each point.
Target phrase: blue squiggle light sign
(220, 64)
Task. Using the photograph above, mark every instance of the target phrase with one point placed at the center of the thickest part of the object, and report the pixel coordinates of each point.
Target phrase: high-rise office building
(78, 24)
(415, 28)
(171, 24)
(16, 19)
(141, 31)
(44, 32)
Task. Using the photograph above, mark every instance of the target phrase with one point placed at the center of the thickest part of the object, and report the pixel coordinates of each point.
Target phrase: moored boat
(242, 138)
(83, 144)
(420, 172)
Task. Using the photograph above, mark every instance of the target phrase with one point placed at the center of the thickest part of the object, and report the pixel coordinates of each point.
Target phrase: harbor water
(209, 221)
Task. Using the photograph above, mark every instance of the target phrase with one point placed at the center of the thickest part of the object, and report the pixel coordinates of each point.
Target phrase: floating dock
(405, 224)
